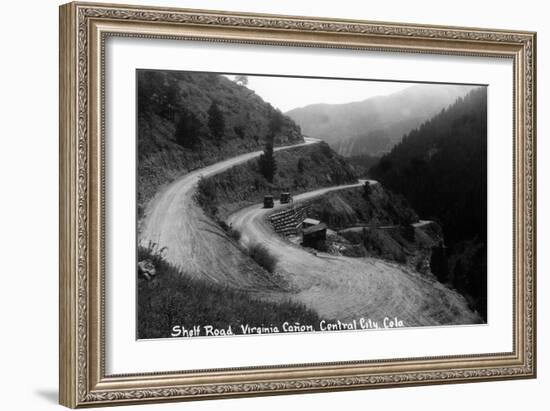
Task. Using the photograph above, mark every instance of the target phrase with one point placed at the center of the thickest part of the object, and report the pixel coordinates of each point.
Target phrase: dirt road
(347, 288)
(193, 241)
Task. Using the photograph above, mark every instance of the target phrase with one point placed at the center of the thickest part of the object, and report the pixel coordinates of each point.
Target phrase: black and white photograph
(275, 205)
(280, 204)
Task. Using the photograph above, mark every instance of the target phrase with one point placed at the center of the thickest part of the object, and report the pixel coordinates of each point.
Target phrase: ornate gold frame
(83, 30)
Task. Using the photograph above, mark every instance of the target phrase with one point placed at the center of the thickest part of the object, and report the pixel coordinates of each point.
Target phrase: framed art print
(258, 204)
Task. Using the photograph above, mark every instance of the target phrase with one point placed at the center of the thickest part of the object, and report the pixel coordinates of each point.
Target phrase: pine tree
(216, 121)
(276, 121)
(301, 165)
(188, 130)
(267, 163)
(367, 190)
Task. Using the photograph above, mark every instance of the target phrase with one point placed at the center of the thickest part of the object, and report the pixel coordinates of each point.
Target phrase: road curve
(246, 220)
(336, 287)
(347, 288)
(193, 242)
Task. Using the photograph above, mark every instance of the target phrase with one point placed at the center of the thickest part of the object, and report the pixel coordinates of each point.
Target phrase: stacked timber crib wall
(289, 221)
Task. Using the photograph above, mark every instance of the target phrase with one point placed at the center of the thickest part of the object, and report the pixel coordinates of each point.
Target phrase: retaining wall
(289, 221)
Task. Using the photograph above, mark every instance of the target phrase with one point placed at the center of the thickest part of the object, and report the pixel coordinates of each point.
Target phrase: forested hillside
(362, 163)
(187, 120)
(441, 168)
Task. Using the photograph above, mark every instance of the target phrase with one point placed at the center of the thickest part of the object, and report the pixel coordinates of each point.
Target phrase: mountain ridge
(369, 126)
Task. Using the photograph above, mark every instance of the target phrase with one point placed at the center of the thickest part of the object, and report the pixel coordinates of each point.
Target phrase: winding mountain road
(340, 288)
(193, 242)
(347, 288)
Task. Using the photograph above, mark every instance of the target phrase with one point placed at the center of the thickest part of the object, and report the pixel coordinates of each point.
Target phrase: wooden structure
(310, 222)
(315, 236)
(289, 220)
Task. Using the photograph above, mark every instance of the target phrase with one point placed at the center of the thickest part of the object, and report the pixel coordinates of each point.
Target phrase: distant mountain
(187, 120)
(441, 169)
(374, 125)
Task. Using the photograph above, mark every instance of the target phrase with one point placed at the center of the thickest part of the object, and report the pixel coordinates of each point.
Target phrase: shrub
(301, 165)
(151, 252)
(234, 234)
(188, 132)
(207, 195)
(262, 256)
(231, 232)
(239, 131)
(367, 190)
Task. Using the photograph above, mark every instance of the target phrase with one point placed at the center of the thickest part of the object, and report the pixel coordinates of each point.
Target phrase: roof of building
(315, 229)
(312, 221)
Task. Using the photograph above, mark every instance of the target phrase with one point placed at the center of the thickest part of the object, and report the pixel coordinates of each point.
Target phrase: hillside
(374, 206)
(299, 170)
(374, 125)
(362, 163)
(441, 168)
(374, 222)
(188, 120)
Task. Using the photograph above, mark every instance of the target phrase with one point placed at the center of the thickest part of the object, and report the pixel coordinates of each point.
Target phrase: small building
(285, 197)
(268, 201)
(310, 222)
(315, 236)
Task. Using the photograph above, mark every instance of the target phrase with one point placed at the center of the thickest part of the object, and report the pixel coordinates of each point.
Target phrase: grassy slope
(300, 170)
(175, 299)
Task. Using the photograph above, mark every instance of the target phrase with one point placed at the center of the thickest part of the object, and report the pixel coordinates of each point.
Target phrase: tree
(170, 100)
(239, 131)
(367, 190)
(301, 165)
(216, 121)
(276, 121)
(267, 163)
(242, 80)
(188, 130)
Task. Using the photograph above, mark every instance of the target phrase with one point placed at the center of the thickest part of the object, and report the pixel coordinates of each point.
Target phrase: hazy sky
(286, 93)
